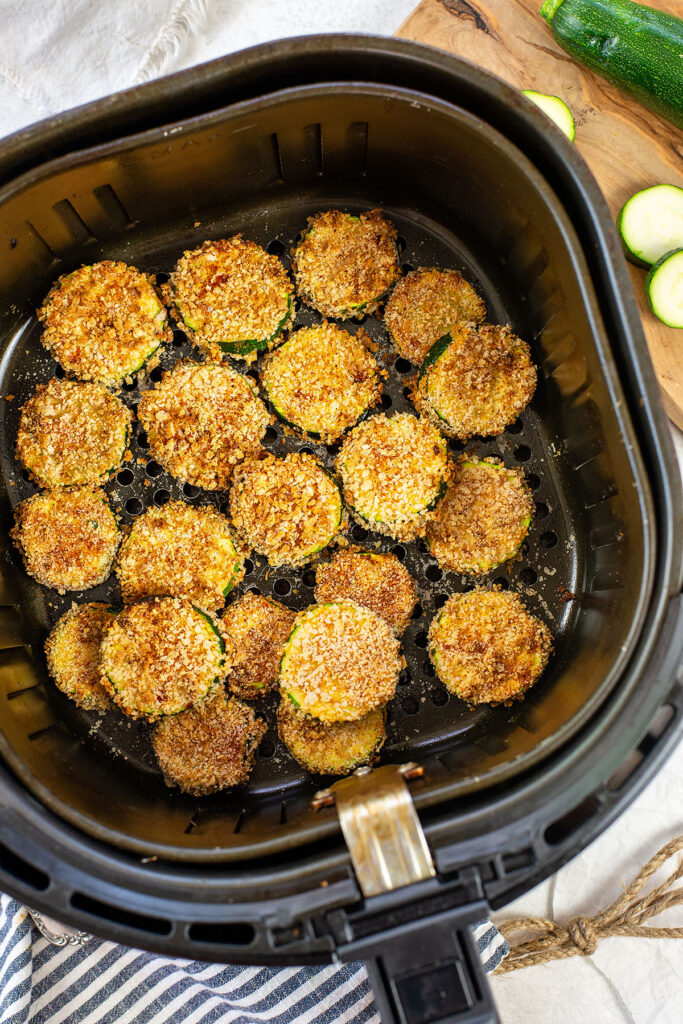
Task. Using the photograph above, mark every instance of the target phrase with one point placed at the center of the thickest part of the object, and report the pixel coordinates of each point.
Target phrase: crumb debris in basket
(487, 648)
(336, 748)
(483, 518)
(233, 296)
(394, 471)
(180, 550)
(426, 304)
(287, 508)
(256, 629)
(345, 263)
(322, 380)
(340, 661)
(375, 580)
(68, 537)
(162, 656)
(73, 654)
(103, 322)
(476, 380)
(72, 432)
(210, 747)
(202, 420)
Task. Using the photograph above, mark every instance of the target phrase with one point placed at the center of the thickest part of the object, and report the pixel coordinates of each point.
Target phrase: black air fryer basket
(474, 178)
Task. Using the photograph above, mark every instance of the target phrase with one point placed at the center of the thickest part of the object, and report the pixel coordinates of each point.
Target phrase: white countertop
(78, 50)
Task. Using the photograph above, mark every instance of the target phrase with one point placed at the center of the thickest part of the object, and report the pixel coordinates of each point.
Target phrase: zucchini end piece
(555, 108)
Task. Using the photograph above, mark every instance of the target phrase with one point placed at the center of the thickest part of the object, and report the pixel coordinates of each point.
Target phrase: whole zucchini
(637, 48)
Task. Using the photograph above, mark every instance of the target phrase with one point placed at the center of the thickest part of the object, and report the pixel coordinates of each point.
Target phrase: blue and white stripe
(104, 983)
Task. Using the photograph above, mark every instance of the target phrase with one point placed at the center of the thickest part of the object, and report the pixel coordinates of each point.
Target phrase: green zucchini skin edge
(631, 256)
(648, 285)
(435, 353)
(636, 48)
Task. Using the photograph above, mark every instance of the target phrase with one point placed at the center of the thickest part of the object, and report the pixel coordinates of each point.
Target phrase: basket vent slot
(20, 869)
(635, 757)
(112, 206)
(561, 830)
(73, 222)
(222, 933)
(44, 251)
(518, 859)
(118, 915)
(277, 155)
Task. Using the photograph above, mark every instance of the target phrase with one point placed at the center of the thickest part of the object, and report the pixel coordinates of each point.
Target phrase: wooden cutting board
(626, 146)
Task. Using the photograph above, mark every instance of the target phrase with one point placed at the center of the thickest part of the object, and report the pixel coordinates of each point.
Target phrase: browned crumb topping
(256, 629)
(340, 662)
(425, 305)
(161, 656)
(68, 538)
(231, 291)
(344, 264)
(333, 749)
(487, 648)
(102, 322)
(322, 379)
(481, 383)
(287, 509)
(201, 421)
(210, 747)
(394, 471)
(73, 654)
(483, 518)
(376, 581)
(182, 551)
(72, 433)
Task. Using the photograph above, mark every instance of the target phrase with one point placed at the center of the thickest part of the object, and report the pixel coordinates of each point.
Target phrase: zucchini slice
(287, 509)
(487, 648)
(232, 295)
(650, 224)
(340, 662)
(476, 380)
(180, 550)
(162, 656)
(664, 287)
(394, 472)
(73, 654)
(332, 749)
(556, 109)
(103, 322)
(374, 580)
(322, 380)
(255, 629)
(209, 747)
(483, 518)
(72, 433)
(344, 264)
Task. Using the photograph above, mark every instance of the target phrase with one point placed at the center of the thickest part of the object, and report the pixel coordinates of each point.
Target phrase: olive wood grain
(626, 146)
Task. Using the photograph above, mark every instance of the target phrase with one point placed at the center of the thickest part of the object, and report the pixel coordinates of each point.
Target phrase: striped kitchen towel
(90, 981)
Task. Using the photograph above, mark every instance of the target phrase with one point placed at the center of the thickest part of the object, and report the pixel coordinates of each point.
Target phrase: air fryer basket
(597, 566)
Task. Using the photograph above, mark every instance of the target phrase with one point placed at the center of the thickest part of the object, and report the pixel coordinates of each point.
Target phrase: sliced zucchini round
(68, 537)
(650, 224)
(209, 747)
(180, 550)
(394, 472)
(71, 433)
(664, 287)
(162, 656)
(426, 304)
(333, 749)
(487, 648)
(340, 662)
(373, 580)
(344, 264)
(476, 380)
(483, 519)
(255, 630)
(322, 380)
(287, 509)
(202, 420)
(73, 654)
(232, 295)
(103, 322)
(556, 109)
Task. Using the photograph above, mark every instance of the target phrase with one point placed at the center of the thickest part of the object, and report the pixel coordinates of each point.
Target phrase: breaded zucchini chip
(374, 580)
(256, 629)
(334, 749)
(73, 654)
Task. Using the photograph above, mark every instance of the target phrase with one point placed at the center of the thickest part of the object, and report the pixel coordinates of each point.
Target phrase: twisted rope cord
(580, 936)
